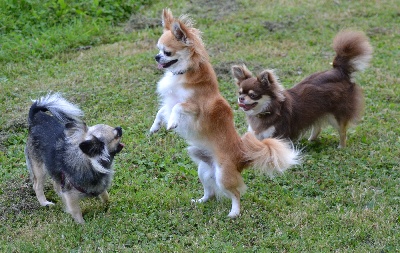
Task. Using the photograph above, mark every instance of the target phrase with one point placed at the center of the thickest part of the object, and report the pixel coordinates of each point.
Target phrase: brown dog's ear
(241, 73)
(266, 78)
(167, 19)
(271, 81)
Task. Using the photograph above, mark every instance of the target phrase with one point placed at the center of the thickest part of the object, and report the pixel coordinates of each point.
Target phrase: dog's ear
(269, 80)
(266, 78)
(70, 125)
(241, 73)
(92, 147)
(80, 125)
(167, 19)
(76, 129)
(178, 29)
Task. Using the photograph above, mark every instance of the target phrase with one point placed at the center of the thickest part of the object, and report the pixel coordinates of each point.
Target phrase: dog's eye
(167, 53)
(253, 96)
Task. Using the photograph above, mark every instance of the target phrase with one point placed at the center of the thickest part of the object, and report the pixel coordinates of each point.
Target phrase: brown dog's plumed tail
(269, 155)
(353, 51)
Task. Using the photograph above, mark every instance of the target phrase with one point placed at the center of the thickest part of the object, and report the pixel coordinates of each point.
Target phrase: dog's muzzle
(119, 131)
(157, 58)
(245, 105)
(164, 65)
(120, 145)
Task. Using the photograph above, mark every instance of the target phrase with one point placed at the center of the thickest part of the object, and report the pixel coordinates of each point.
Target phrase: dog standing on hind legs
(330, 96)
(78, 158)
(192, 105)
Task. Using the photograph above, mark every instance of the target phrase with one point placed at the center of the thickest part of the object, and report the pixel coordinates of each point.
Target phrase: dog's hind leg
(235, 197)
(342, 134)
(57, 188)
(230, 182)
(341, 124)
(315, 131)
(206, 171)
(72, 204)
(39, 178)
(207, 178)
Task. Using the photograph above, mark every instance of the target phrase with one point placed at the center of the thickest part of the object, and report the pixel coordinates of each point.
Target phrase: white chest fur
(171, 90)
(267, 133)
(172, 93)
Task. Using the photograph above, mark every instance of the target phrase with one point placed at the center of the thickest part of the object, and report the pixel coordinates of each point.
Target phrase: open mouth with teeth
(246, 107)
(166, 65)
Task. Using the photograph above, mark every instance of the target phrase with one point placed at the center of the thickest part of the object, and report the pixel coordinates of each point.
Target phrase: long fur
(76, 157)
(58, 106)
(192, 105)
(280, 155)
(330, 96)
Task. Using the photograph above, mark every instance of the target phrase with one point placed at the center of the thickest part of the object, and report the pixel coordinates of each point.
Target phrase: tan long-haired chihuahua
(192, 105)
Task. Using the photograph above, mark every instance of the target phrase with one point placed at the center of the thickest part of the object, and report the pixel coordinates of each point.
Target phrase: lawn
(339, 200)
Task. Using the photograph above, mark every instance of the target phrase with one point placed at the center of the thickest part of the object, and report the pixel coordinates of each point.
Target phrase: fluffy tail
(353, 51)
(269, 155)
(58, 106)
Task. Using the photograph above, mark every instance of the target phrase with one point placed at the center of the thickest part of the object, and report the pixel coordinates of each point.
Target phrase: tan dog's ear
(167, 19)
(178, 29)
(241, 73)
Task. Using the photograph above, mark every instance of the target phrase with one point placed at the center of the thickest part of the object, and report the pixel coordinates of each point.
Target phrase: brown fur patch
(323, 94)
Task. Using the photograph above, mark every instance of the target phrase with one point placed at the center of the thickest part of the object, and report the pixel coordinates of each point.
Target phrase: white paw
(47, 203)
(154, 128)
(198, 200)
(233, 214)
(79, 220)
(172, 124)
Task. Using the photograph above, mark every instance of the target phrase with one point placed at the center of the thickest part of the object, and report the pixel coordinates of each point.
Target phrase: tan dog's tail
(269, 155)
(353, 51)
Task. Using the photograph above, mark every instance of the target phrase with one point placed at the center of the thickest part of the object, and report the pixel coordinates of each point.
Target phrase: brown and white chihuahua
(192, 105)
(330, 96)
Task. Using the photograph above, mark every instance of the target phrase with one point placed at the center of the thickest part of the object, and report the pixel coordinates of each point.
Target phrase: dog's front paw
(47, 203)
(172, 124)
(233, 214)
(194, 201)
(79, 219)
(202, 200)
(155, 128)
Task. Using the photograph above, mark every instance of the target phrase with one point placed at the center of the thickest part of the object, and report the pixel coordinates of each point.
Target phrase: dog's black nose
(119, 131)
(157, 57)
(241, 99)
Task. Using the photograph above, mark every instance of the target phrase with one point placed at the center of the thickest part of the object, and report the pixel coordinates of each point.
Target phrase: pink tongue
(160, 66)
(246, 107)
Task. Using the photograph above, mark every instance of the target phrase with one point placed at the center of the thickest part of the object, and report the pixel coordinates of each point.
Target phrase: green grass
(344, 200)
(33, 29)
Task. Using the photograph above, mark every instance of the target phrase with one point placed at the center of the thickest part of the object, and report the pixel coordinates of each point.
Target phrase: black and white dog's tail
(62, 109)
